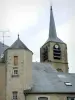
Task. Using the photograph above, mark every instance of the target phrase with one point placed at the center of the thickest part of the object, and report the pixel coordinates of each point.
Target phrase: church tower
(54, 50)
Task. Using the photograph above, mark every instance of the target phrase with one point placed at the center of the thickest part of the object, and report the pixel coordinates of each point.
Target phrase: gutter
(26, 92)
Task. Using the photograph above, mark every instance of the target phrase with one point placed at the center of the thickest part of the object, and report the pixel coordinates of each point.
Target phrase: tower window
(56, 52)
(45, 54)
(15, 72)
(15, 60)
(14, 93)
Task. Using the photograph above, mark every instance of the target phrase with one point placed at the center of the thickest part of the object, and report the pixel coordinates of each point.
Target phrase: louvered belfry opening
(56, 52)
(45, 54)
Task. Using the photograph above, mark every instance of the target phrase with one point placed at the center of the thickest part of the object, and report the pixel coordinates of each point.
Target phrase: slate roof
(18, 44)
(2, 49)
(52, 30)
(46, 79)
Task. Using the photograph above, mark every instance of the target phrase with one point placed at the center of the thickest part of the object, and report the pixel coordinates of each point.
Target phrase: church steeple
(52, 28)
(54, 50)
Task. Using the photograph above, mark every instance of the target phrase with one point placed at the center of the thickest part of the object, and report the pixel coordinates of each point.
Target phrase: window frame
(42, 96)
(14, 97)
(15, 71)
(15, 62)
(14, 74)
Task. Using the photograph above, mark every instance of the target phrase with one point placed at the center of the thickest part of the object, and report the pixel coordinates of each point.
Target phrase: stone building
(22, 79)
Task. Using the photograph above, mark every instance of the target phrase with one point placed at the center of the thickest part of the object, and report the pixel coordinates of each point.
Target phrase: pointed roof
(52, 29)
(18, 44)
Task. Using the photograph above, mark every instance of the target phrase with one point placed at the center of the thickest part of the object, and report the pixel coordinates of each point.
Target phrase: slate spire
(52, 28)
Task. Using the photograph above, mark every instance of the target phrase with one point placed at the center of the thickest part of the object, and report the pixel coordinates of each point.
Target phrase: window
(59, 70)
(45, 53)
(42, 98)
(67, 83)
(15, 60)
(56, 52)
(70, 98)
(14, 95)
(15, 72)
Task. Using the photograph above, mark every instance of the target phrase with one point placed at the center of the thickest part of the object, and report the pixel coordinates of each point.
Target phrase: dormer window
(68, 83)
(56, 52)
(15, 60)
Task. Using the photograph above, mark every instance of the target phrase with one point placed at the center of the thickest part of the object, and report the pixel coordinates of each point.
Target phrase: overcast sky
(31, 19)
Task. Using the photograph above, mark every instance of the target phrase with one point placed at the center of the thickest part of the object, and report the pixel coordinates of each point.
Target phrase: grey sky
(31, 19)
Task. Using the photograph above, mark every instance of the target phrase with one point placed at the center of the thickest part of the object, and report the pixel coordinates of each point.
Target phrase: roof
(47, 80)
(52, 30)
(2, 48)
(18, 44)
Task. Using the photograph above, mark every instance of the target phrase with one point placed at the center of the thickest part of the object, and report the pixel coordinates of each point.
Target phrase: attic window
(67, 83)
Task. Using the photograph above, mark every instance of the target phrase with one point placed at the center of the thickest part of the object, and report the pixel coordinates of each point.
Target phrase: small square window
(15, 71)
(14, 93)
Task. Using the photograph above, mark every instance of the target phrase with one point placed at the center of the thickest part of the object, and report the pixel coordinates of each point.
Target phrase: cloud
(66, 32)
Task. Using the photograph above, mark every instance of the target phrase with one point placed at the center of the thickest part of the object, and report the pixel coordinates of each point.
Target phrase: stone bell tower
(54, 50)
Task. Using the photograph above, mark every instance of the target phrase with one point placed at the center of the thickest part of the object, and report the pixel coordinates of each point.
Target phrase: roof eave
(18, 49)
(60, 92)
